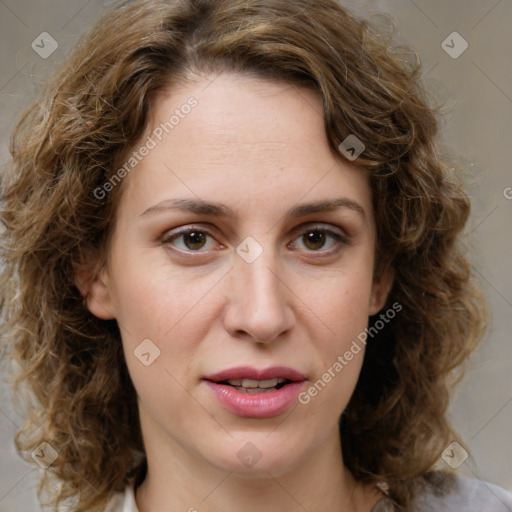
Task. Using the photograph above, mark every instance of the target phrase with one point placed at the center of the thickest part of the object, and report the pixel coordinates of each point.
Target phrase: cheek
(342, 308)
(340, 301)
(169, 306)
(150, 296)
(158, 313)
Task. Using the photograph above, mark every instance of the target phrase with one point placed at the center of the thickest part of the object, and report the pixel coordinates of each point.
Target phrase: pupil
(316, 238)
(196, 239)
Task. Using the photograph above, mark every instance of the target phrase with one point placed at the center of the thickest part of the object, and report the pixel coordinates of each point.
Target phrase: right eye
(193, 239)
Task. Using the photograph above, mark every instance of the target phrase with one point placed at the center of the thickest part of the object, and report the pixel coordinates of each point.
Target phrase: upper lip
(249, 372)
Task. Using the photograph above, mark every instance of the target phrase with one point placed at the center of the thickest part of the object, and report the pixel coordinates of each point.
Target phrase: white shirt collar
(129, 499)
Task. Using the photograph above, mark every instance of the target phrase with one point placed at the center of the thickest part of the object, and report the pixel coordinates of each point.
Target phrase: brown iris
(314, 239)
(196, 238)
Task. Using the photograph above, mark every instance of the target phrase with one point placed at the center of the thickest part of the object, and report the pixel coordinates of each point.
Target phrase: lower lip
(261, 405)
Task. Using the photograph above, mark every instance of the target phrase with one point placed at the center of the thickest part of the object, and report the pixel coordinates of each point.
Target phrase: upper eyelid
(210, 227)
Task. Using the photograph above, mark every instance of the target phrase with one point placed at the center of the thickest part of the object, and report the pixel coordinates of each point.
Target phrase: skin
(260, 148)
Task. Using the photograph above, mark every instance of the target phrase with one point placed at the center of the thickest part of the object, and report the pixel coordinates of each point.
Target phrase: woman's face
(223, 257)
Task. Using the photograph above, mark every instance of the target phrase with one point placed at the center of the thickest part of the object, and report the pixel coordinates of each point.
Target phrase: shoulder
(123, 501)
(463, 495)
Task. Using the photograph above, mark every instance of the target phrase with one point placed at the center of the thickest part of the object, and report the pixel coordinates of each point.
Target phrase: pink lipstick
(256, 393)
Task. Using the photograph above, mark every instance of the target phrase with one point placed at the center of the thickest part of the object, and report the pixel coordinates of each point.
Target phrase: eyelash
(341, 239)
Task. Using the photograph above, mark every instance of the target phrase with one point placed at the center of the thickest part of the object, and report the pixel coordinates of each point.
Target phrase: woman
(233, 275)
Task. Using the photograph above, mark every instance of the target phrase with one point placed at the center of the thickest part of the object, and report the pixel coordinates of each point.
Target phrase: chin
(256, 456)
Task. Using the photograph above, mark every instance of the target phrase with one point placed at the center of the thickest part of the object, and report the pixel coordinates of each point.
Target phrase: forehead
(237, 109)
(243, 138)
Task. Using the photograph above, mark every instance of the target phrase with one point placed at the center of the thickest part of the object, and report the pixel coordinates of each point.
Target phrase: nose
(258, 306)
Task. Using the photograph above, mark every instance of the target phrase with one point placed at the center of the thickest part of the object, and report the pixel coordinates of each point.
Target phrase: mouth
(253, 393)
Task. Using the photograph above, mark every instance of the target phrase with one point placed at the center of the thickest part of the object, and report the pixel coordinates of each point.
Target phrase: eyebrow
(202, 207)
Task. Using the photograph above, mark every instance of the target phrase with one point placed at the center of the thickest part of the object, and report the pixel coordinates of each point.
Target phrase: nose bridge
(260, 279)
(259, 302)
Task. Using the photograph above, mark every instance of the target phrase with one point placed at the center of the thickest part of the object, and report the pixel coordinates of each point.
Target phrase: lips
(248, 372)
(256, 393)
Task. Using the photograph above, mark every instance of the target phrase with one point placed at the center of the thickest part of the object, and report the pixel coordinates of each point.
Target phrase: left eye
(315, 238)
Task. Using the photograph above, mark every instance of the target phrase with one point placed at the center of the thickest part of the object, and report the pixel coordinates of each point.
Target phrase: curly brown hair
(72, 139)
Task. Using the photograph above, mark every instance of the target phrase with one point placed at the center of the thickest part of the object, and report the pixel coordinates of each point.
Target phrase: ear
(94, 285)
(381, 286)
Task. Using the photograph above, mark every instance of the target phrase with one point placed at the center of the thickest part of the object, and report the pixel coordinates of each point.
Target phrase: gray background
(477, 90)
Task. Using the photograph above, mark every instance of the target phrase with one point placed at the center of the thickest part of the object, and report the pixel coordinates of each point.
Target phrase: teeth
(254, 384)
(249, 383)
(254, 391)
(269, 383)
(235, 382)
